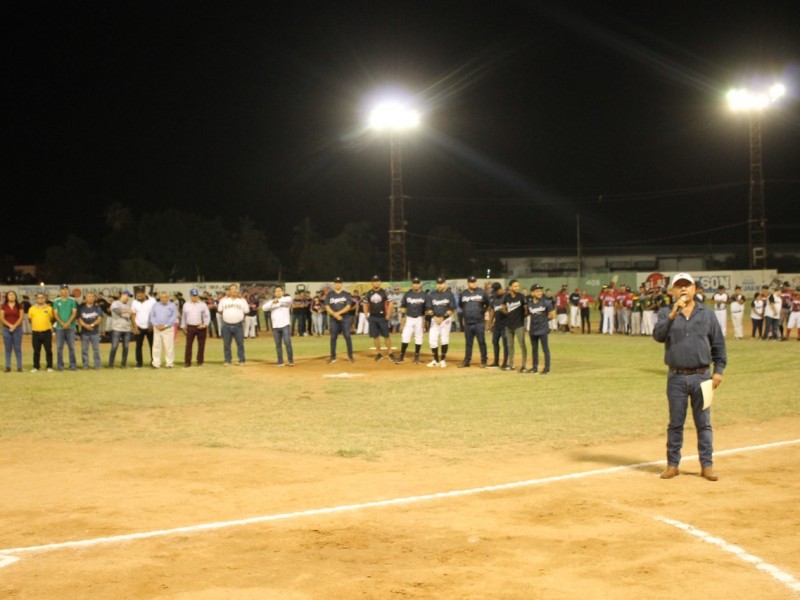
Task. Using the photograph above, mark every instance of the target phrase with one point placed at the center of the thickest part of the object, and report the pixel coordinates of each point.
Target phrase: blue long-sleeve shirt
(164, 314)
(691, 343)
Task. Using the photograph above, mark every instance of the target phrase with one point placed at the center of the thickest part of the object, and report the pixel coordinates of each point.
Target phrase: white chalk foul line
(7, 554)
(738, 551)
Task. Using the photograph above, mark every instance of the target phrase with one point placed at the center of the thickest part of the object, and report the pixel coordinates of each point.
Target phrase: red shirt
(11, 313)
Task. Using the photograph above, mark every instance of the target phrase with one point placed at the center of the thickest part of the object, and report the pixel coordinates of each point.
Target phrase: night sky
(532, 113)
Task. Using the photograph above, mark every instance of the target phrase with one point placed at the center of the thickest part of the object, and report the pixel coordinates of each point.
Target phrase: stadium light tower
(395, 118)
(754, 104)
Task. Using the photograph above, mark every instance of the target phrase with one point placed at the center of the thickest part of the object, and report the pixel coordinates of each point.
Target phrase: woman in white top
(757, 315)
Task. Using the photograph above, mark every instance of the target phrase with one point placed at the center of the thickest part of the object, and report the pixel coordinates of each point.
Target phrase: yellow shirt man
(41, 317)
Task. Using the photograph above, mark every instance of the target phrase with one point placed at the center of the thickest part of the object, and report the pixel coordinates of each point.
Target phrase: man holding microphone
(693, 341)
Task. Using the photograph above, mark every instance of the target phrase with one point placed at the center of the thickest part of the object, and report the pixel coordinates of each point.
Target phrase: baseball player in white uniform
(721, 308)
(412, 313)
(794, 317)
(737, 312)
(441, 305)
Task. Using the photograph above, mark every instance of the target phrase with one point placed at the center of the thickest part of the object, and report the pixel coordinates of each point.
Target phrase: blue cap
(194, 292)
(126, 292)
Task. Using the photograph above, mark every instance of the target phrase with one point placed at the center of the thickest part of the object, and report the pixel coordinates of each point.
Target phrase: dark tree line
(178, 246)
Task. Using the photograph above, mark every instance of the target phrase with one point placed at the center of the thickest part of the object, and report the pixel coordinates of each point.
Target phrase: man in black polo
(378, 307)
(473, 303)
(693, 341)
(514, 307)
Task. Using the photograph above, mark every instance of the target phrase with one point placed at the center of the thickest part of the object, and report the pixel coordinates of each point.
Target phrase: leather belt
(697, 371)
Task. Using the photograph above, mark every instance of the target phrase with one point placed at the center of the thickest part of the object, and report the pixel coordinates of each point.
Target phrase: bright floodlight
(392, 115)
(745, 100)
(777, 91)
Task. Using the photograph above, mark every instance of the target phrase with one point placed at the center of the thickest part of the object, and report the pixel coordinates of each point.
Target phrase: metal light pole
(397, 221)
(396, 118)
(754, 104)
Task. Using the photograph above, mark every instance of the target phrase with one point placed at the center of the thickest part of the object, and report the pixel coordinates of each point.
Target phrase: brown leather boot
(708, 473)
(670, 472)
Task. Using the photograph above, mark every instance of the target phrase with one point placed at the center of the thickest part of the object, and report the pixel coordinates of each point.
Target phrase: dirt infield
(592, 536)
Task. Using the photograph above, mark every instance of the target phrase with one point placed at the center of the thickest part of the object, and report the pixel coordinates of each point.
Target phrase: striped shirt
(195, 313)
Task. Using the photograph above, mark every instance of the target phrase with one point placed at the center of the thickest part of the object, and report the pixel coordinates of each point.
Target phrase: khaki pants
(163, 339)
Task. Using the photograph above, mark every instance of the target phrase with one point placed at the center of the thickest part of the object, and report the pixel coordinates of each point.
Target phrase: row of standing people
(137, 318)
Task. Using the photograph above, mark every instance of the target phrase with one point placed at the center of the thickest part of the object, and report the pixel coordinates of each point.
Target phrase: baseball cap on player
(682, 277)
(64, 286)
(535, 287)
(376, 278)
(440, 279)
(472, 279)
(126, 293)
(337, 280)
(416, 280)
(194, 292)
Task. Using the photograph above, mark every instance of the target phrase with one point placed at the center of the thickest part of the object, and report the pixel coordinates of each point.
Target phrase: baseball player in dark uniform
(378, 310)
(474, 303)
(339, 305)
(542, 312)
(412, 313)
(497, 323)
(440, 305)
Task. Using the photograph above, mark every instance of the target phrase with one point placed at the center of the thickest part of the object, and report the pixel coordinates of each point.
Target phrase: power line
(586, 199)
(496, 246)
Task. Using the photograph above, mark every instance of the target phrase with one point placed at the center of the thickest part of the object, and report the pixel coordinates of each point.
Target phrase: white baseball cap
(682, 277)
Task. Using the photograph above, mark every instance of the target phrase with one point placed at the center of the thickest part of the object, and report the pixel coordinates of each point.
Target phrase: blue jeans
(299, 318)
(342, 327)
(679, 388)
(535, 339)
(90, 338)
(319, 323)
(233, 332)
(116, 338)
(499, 333)
(284, 335)
(65, 336)
(13, 341)
(471, 331)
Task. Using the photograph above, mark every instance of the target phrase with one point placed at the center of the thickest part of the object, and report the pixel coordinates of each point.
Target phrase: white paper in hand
(707, 387)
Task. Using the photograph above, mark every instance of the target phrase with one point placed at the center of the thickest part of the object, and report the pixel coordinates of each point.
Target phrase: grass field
(602, 388)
